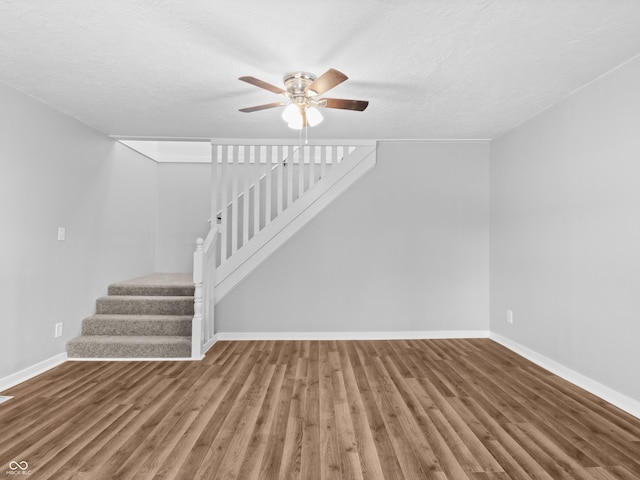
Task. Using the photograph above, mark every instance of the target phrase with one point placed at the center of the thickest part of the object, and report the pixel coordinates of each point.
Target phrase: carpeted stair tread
(171, 284)
(137, 325)
(145, 305)
(145, 317)
(108, 346)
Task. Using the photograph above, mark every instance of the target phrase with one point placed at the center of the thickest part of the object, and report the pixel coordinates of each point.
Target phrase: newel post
(196, 323)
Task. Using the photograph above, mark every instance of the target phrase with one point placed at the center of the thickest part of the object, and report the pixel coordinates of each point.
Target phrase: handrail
(210, 238)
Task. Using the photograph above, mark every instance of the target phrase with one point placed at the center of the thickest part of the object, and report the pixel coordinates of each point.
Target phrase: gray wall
(184, 206)
(55, 171)
(565, 231)
(406, 248)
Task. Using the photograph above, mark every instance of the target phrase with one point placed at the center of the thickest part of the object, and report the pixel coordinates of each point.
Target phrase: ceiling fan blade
(261, 107)
(326, 81)
(305, 123)
(262, 84)
(344, 104)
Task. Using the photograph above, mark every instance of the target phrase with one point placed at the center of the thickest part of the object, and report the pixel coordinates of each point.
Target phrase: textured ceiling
(430, 69)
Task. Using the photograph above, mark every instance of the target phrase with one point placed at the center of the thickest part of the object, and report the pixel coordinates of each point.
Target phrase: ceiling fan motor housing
(297, 82)
(298, 90)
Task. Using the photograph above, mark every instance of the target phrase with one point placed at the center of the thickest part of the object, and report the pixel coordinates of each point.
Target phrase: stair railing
(255, 184)
(255, 181)
(204, 268)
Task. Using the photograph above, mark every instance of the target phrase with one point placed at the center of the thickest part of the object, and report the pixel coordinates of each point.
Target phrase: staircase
(146, 317)
(262, 193)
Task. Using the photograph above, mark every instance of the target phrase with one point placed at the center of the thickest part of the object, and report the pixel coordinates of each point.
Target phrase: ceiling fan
(302, 90)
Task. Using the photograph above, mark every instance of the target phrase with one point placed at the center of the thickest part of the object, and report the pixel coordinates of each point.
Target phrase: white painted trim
(621, 401)
(292, 142)
(322, 141)
(389, 335)
(188, 159)
(435, 140)
(136, 359)
(283, 227)
(32, 371)
(159, 139)
(207, 346)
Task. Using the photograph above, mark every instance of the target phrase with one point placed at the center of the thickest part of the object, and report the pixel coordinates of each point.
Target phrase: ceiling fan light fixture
(302, 90)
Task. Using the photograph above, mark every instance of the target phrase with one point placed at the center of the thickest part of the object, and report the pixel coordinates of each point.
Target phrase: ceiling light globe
(314, 117)
(291, 114)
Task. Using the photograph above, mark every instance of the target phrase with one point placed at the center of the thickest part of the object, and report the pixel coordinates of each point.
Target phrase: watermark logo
(18, 468)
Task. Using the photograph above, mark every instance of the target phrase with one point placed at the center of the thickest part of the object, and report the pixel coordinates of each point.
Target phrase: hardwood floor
(419, 409)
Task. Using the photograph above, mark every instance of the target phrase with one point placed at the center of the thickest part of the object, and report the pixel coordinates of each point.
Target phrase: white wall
(565, 232)
(184, 206)
(55, 171)
(405, 249)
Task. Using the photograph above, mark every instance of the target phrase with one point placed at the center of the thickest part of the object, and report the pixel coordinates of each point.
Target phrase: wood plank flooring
(419, 409)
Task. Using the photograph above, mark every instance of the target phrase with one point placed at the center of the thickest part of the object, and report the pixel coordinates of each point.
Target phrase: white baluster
(234, 201)
(290, 165)
(343, 153)
(208, 293)
(215, 188)
(246, 174)
(268, 190)
(224, 202)
(312, 167)
(323, 160)
(334, 156)
(301, 157)
(215, 191)
(255, 153)
(280, 167)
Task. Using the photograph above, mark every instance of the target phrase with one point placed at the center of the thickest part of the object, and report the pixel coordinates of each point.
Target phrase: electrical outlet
(62, 233)
(510, 317)
(58, 332)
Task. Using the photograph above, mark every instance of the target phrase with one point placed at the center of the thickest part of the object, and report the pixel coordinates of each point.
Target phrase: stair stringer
(288, 223)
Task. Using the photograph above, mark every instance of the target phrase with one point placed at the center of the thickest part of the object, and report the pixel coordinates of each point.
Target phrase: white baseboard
(207, 346)
(621, 401)
(135, 359)
(390, 335)
(32, 371)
